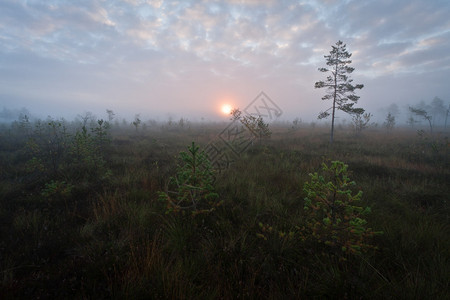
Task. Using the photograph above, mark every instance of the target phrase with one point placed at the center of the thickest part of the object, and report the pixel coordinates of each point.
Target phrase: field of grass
(82, 216)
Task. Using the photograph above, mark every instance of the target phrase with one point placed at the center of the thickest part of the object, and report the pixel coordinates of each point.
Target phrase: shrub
(192, 187)
(334, 216)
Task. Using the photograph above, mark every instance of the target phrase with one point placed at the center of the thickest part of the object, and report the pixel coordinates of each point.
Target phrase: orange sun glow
(226, 109)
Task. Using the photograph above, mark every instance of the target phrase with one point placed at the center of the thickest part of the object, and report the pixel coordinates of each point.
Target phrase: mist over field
(244, 208)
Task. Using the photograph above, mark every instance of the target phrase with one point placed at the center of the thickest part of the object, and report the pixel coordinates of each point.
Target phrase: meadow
(83, 214)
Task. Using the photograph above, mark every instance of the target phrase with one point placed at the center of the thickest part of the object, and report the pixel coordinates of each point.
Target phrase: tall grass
(113, 238)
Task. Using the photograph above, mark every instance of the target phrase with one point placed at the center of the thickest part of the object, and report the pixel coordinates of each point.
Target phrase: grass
(109, 236)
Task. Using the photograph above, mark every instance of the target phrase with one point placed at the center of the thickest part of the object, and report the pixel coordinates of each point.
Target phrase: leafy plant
(86, 153)
(47, 147)
(192, 187)
(57, 189)
(101, 133)
(334, 215)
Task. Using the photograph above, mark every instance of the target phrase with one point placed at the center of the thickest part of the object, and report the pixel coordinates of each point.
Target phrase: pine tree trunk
(332, 122)
(334, 105)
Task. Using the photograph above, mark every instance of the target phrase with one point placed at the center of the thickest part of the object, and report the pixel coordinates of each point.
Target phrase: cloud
(114, 52)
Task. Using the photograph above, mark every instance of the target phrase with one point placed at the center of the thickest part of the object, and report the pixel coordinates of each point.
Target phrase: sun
(226, 109)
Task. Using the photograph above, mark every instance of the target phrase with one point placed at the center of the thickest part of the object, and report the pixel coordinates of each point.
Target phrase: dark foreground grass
(99, 230)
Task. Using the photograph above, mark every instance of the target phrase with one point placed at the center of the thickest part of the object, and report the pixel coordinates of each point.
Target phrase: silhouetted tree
(361, 121)
(393, 110)
(137, 121)
(422, 113)
(86, 118)
(111, 115)
(255, 124)
(339, 85)
(437, 109)
(447, 112)
(390, 122)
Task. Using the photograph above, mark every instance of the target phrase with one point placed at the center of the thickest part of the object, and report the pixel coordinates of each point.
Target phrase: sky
(172, 59)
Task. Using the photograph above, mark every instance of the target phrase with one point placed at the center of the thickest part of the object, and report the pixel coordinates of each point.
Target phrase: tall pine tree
(339, 85)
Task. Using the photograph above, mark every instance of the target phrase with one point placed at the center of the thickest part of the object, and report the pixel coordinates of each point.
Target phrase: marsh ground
(81, 217)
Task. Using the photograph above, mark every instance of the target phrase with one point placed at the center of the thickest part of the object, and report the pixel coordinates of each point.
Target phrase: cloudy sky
(187, 58)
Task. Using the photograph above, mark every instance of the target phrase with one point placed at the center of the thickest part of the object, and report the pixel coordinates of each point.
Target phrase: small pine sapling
(334, 215)
(192, 187)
